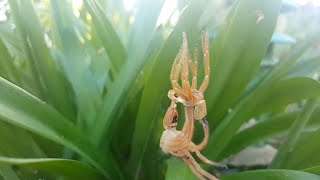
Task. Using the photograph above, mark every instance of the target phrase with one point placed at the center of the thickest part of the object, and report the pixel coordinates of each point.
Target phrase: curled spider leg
(169, 120)
(205, 51)
(193, 147)
(173, 140)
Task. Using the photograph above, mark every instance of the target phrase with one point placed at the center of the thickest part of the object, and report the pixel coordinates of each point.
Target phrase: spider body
(179, 143)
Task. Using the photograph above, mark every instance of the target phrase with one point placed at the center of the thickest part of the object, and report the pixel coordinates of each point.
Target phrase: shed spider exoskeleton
(179, 143)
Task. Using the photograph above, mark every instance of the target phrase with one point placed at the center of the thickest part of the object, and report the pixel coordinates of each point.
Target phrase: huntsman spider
(179, 143)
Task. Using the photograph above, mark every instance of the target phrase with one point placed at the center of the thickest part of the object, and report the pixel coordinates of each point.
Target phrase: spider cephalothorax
(179, 143)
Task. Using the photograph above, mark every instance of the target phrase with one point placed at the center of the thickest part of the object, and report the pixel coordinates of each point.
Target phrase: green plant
(84, 97)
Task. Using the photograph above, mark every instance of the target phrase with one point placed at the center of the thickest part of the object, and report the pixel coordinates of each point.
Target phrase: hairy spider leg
(185, 68)
(194, 67)
(205, 51)
(174, 75)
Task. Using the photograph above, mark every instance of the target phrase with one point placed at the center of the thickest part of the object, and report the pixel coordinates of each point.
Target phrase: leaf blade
(280, 160)
(22, 109)
(63, 167)
(236, 53)
(271, 175)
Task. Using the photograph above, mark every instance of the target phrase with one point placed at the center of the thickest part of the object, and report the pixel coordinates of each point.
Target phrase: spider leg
(188, 162)
(184, 138)
(188, 126)
(198, 167)
(194, 67)
(205, 51)
(185, 68)
(174, 75)
(171, 116)
(204, 159)
(178, 154)
(193, 147)
(178, 140)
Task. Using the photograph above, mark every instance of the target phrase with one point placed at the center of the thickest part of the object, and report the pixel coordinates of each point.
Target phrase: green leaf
(7, 173)
(144, 26)
(7, 68)
(304, 153)
(313, 170)
(237, 51)
(69, 169)
(287, 91)
(26, 146)
(109, 38)
(137, 51)
(284, 67)
(295, 132)
(306, 67)
(177, 169)
(75, 60)
(50, 80)
(277, 125)
(271, 175)
(148, 126)
(24, 110)
(244, 109)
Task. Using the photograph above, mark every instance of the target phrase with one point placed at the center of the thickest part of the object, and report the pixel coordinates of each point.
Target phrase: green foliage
(83, 96)
(272, 175)
(69, 169)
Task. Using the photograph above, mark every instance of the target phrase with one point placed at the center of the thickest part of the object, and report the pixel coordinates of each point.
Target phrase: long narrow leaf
(107, 34)
(287, 91)
(69, 169)
(22, 109)
(268, 128)
(295, 132)
(244, 109)
(237, 51)
(7, 173)
(271, 175)
(306, 67)
(52, 82)
(313, 170)
(131, 69)
(74, 58)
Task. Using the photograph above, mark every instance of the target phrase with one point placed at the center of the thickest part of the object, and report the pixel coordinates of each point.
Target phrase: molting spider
(179, 143)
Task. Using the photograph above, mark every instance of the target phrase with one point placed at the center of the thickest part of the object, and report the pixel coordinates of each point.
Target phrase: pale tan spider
(179, 143)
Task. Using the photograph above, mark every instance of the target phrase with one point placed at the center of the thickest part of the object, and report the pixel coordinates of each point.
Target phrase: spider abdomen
(168, 137)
